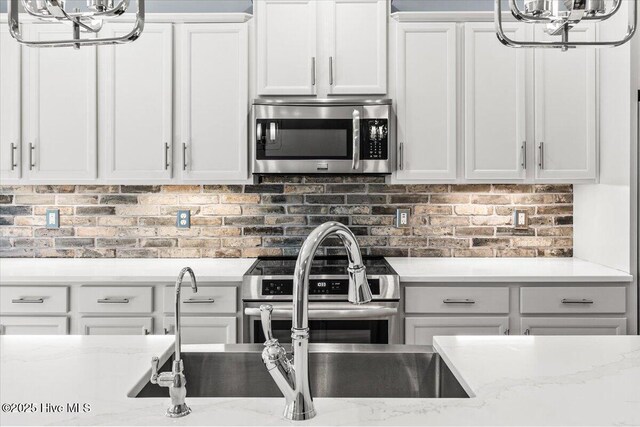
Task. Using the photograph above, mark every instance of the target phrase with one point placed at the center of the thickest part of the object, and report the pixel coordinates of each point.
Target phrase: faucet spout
(293, 378)
(194, 287)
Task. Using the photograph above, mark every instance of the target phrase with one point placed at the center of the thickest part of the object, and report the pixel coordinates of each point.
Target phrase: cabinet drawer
(115, 299)
(18, 325)
(604, 299)
(203, 330)
(34, 299)
(457, 300)
(421, 330)
(208, 299)
(116, 325)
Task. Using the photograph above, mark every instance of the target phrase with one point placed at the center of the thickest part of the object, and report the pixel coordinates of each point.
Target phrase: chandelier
(89, 21)
(560, 16)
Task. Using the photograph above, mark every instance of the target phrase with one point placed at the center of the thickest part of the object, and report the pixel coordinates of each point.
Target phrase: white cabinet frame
(111, 108)
(10, 104)
(413, 324)
(226, 324)
(119, 325)
(60, 325)
(595, 326)
(407, 171)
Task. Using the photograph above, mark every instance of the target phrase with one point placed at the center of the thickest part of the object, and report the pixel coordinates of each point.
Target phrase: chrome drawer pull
(27, 301)
(113, 301)
(199, 301)
(576, 301)
(458, 301)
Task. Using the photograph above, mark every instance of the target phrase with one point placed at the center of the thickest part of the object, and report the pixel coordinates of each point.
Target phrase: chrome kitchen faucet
(175, 380)
(292, 377)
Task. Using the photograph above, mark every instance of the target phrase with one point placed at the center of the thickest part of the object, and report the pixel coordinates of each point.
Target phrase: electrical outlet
(183, 219)
(402, 217)
(52, 218)
(520, 220)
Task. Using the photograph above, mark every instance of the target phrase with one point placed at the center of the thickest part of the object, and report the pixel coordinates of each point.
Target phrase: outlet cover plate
(183, 219)
(520, 219)
(402, 217)
(52, 218)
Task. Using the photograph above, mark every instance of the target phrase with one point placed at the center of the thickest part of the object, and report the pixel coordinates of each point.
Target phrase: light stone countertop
(523, 380)
(512, 270)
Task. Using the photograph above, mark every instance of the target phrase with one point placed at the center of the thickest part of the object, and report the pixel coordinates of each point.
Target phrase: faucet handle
(155, 362)
(266, 311)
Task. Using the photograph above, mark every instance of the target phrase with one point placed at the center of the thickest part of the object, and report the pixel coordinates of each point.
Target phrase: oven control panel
(374, 139)
(275, 287)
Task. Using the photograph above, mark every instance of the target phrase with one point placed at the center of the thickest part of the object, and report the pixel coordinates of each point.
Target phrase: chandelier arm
(614, 9)
(517, 13)
(14, 30)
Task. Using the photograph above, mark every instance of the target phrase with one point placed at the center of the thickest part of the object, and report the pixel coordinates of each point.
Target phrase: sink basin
(336, 371)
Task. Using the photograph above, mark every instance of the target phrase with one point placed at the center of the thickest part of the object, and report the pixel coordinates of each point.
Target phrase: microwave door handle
(273, 132)
(356, 140)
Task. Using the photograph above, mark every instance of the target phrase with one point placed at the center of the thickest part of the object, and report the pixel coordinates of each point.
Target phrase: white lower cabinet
(204, 330)
(421, 330)
(573, 326)
(116, 325)
(34, 325)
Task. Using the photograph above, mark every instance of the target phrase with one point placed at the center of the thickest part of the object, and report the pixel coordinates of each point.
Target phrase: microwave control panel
(374, 137)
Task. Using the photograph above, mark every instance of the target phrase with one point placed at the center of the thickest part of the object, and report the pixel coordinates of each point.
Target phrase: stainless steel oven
(332, 319)
(322, 136)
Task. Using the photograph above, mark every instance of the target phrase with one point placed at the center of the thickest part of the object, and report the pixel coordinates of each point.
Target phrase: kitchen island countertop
(514, 380)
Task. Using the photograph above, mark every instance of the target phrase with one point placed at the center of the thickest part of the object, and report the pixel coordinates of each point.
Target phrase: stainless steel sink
(335, 370)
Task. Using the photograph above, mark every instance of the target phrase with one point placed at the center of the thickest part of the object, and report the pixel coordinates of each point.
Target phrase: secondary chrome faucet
(292, 377)
(175, 380)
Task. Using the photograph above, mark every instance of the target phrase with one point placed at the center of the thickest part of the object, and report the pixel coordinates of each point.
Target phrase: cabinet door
(116, 325)
(572, 326)
(59, 90)
(10, 59)
(357, 47)
(214, 102)
(495, 104)
(136, 103)
(286, 31)
(421, 330)
(34, 326)
(204, 330)
(565, 111)
(426, 82)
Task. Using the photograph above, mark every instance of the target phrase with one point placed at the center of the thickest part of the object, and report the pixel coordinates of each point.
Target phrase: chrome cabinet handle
(524, 155)
(184, 156)
(32, 148)
(541, 155)
(145, 331)
(199, 301)
(356, 140)
(313, 71)
(166, 331)
(458, 301)
(576, 301)
(527, 332)
(113, 300)
(166, 155)
(25, 300)
(331, 70)
(401, 156)
(506, 331)
(14, 149)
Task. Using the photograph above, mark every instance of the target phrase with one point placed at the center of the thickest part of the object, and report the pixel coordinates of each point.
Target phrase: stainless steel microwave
(338, 136)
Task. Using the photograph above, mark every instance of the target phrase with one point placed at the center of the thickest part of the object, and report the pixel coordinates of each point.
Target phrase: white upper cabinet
(426, 101)
(357, 47)
(321, 47)
(287, 60)
(136, 104)
(495, 103)
(213, 83)
(565, 111)
(59, 92)
(10, 138)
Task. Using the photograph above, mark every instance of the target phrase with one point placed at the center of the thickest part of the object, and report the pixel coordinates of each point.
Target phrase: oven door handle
(335, 311)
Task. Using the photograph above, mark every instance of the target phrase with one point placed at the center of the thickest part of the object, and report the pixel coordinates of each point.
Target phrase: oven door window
(330, 331)
(304, 139)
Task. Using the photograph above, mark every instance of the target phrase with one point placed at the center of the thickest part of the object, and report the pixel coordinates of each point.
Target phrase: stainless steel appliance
(332, 318)
(322, 136)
